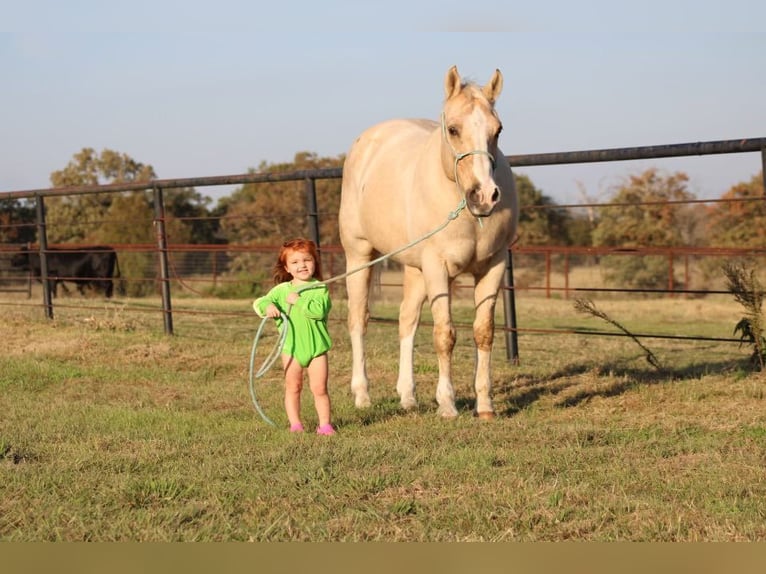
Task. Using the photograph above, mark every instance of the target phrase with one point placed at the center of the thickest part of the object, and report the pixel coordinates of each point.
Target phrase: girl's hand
(272, 311)
(292, 297)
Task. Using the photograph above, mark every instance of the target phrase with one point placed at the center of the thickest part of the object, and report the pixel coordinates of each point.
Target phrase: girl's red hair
(301, 245)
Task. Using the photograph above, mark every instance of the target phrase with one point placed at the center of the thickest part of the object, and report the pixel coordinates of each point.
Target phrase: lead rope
(275, 352)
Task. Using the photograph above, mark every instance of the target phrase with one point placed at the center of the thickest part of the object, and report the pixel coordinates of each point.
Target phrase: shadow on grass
(388, 409)
(381, 411)
(605, 380)
(576, 383)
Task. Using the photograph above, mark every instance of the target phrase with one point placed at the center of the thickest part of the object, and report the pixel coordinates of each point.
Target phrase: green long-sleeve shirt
(307, 334)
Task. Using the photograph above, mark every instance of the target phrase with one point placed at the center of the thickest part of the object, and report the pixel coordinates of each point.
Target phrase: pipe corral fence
(162, 247)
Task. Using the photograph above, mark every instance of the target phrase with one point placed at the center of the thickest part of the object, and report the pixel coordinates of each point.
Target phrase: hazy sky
(215, 88)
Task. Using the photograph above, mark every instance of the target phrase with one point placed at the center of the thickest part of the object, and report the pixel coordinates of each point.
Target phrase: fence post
(547, 273)
(162, 248)
(763, 166)
(311, 209)
(509, 311)
(42, 240)
(671, 273)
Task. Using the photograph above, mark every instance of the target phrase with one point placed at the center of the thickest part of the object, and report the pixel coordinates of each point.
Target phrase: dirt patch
(149, 352)
(35, 344)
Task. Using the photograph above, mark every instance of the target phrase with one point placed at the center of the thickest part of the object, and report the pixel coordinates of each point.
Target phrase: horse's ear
(494, 87)
(452, 83)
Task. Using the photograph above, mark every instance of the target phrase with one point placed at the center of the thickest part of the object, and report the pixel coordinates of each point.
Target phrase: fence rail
(310, 176)
(745, 145)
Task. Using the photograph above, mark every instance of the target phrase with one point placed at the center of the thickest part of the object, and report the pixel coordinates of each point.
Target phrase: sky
(216, 88)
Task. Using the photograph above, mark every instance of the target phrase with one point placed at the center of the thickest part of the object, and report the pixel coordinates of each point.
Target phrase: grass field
(112, 431)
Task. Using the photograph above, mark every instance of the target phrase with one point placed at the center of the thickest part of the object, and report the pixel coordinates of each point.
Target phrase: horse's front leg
(485, 298)
(409, 317)
(437, 285)
(358, 287)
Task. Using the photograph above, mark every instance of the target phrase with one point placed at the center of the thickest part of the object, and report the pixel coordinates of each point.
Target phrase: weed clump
(743, 283)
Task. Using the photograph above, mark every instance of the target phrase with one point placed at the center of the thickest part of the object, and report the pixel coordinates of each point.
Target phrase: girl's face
(300, 264)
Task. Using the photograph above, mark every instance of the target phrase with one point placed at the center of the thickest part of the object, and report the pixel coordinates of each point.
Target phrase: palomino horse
(401, 180)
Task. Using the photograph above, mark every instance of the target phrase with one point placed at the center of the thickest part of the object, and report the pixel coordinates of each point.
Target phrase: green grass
(111, 431)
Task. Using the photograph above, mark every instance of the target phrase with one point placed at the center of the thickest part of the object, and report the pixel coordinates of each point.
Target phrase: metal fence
(167, 273)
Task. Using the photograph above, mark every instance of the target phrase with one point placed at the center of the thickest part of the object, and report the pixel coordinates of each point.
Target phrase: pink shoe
(297, 427)
(326, 429)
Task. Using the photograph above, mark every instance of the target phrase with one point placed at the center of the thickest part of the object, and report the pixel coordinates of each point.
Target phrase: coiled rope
(276, 351)
(267, 363)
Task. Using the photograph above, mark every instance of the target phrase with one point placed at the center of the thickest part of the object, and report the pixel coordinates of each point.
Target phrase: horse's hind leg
(409, 317)
(358, 287)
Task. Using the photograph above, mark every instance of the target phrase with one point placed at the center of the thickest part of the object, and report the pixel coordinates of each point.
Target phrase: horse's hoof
(408, 405)
(362, 402)
(447, 413)
(486, 416)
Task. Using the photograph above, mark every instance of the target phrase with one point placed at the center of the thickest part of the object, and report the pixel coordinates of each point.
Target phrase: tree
(266, 214)
(738, 220)
(78, 218)
(17, 221)
(190, 217)
(86, 217)
(125, 217)
(540, 221)
(583, 219)
(580, 230)
(740, 223)
(137, 268)
(646, 215)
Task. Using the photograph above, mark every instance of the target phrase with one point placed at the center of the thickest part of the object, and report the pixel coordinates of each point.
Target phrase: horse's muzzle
(479, 206)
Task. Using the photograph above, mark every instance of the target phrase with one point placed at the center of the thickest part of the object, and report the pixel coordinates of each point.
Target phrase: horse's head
(470, 129)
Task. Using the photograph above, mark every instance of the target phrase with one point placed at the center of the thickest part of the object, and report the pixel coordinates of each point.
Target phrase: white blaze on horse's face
(471, 130)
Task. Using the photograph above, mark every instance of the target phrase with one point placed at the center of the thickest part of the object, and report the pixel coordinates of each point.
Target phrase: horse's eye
(453, 131)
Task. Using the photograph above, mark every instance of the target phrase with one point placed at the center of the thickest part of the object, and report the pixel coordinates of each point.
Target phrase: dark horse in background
(92, 266)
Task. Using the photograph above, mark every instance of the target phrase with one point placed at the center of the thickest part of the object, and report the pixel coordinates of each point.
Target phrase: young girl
(306, 307)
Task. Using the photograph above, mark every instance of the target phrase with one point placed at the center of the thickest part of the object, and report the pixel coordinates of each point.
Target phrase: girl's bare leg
(318, 371)
(293, 387)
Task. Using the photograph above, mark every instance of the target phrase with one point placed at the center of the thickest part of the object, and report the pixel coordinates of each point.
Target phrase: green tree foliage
(540, 221)
(17, 221)
(138, 263)
(125, 218)
(580, 230)
(190, 219)
(646, 216)
(87, 218)
(138, 267)
(266, 214)
(740, 223)
(79, 218)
